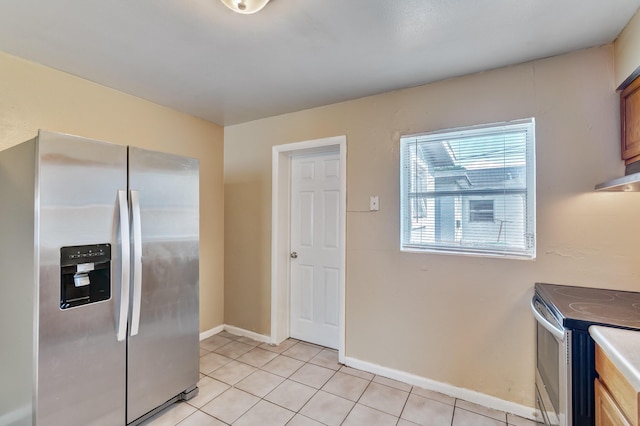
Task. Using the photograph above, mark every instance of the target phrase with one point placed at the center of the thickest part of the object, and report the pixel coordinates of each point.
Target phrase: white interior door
(315, 248)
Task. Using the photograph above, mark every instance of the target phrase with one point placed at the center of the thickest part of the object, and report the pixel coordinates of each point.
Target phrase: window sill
(511, 256)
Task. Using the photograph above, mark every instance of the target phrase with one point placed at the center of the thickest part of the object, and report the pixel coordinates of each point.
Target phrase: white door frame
(280, 232)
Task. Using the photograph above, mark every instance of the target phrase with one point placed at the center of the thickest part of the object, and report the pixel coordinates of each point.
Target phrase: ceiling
(199, 57)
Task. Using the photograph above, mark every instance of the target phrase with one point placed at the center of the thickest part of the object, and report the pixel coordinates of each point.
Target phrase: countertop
(623, 349)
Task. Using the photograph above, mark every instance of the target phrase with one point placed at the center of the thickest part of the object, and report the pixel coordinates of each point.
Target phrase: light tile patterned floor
(246, 383)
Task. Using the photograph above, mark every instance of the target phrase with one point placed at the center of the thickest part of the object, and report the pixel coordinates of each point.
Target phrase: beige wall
(34, 97)
(454, 319)
(627, 50)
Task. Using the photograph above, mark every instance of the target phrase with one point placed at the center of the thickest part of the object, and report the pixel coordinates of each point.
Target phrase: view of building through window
(470, 190)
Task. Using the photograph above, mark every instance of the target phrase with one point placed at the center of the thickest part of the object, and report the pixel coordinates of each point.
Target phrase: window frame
(528, 239)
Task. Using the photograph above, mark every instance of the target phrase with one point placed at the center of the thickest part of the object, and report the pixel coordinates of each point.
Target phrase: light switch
(374, 203)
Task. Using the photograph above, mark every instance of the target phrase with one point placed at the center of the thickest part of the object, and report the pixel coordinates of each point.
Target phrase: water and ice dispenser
(85, 275)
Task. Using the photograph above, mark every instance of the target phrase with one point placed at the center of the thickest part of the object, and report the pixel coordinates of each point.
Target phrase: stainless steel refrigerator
(99, 254)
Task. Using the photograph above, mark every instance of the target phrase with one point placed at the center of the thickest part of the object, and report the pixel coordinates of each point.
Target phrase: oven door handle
(556, 332)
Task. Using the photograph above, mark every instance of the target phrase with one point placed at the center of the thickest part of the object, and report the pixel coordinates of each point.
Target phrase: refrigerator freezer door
(163, 356)
(81, 366)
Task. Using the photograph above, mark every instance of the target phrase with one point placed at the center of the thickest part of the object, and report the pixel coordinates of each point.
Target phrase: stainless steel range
(565, 367)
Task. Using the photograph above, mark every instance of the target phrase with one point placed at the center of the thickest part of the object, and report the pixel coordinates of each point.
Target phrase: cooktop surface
(580, 307)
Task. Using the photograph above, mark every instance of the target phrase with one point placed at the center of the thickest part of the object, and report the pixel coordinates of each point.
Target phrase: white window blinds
(470, 190)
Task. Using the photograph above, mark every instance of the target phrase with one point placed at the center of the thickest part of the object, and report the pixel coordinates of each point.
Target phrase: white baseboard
(211, 332)
(237, 331)
(246, 333)
(445, 388)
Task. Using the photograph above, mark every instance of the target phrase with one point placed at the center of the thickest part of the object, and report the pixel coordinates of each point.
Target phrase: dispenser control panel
(81, 254)
(85, 275)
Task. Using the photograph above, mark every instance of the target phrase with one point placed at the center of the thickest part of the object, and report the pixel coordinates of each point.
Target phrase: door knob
(294, 255)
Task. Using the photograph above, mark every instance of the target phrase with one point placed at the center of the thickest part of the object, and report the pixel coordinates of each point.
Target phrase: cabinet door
(630, 122)
(607, 411)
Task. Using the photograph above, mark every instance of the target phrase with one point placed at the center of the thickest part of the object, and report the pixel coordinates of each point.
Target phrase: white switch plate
(374, 203)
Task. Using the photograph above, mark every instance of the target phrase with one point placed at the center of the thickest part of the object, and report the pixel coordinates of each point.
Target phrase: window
(480, 210)
(470, 190)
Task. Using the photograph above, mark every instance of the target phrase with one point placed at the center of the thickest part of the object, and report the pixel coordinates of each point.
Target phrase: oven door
(553, 366)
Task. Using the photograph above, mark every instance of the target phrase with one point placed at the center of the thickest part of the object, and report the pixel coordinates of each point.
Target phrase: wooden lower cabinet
(617, 401)
(607, 411)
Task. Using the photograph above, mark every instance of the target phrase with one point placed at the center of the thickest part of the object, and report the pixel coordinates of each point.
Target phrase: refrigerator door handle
(121, 334)
(137, 261)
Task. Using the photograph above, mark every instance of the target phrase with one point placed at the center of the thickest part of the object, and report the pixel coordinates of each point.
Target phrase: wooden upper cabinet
(630, 122)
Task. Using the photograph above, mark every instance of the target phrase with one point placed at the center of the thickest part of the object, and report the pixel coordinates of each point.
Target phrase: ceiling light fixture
(245, 7)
